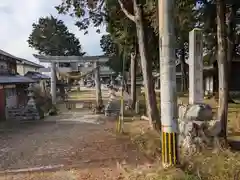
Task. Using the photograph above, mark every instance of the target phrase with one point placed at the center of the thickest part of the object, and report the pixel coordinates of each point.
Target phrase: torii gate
(74, 59)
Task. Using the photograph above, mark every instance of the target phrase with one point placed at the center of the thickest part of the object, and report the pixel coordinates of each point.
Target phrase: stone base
(113, 106)
(30, 112)
(197, 130)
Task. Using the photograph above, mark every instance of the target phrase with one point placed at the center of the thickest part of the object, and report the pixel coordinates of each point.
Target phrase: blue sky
(17, 16)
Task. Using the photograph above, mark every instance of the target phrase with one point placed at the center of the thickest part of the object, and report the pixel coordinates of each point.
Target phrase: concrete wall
(10, 98)
(22, 69)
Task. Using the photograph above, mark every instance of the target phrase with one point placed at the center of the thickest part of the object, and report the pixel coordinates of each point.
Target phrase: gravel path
(89, 149)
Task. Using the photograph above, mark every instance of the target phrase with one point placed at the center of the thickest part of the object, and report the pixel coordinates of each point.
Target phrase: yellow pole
(121, 115)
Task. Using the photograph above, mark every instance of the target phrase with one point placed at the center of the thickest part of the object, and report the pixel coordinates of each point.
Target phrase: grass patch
(82, 95)
(139, 133)
(224, 165)
(207, 165)
(233, 111)
(85, 95)
(156, 172)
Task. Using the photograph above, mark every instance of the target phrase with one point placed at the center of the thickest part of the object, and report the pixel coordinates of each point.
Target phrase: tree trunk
(230, 42)
(222, 68)
(183, 70)
(99, 101)
(150, 95)
(125, 82)
(133, 79)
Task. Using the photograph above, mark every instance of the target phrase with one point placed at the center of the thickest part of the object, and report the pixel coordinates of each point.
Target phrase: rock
(194, 122)
(200, 112)
(214, 128)
(53, 111)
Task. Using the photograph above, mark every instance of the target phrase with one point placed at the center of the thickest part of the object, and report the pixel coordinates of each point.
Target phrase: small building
(23, 66)
(178, 76)
(45, 71)
(42, 81)
(13, 87)
(211, 75)
(37, 76)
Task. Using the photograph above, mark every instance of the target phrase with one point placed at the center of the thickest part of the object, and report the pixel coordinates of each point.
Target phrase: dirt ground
(79, 147)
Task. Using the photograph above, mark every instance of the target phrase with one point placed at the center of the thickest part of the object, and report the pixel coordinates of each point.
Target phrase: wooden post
(137, 107)
(99, 101)
(53, 83)
(133, 79)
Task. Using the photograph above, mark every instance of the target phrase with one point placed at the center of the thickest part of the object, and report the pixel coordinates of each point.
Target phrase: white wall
(23, 69)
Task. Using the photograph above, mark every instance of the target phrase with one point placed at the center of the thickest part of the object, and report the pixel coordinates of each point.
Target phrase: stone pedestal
(197, 130)
(113, 106)
(29, 113)
(31, 109)
(196, 92)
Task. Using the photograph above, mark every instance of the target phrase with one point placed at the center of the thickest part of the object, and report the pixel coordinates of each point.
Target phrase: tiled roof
(31, 63)
(36, 75)
(10, 79)
(48, 69)
(80, 58)
(20, 60)
(101, 58)
(8, 55)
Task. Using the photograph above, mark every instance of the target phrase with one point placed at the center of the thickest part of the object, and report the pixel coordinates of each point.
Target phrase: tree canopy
(51, 36)
(108, 12)
(134, 24)
(108, 46)
(116, 56)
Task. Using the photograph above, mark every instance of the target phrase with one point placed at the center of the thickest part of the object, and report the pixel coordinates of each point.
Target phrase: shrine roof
(36, 75)
(15, 79)
(43, 58)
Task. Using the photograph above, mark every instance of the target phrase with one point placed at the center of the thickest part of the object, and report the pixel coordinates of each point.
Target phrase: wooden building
(211, 76)
(24, 66)
(12, 86)
(178, 76)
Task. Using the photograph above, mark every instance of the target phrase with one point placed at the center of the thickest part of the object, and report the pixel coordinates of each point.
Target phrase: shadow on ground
(234, 141)
(71, 143)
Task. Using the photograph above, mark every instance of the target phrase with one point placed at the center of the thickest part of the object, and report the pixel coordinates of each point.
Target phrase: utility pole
(168, 83)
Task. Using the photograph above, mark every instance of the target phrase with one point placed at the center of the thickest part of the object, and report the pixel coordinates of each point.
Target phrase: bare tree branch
(129, 15)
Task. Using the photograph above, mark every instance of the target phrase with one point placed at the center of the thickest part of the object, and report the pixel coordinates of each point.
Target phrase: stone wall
(30, 112)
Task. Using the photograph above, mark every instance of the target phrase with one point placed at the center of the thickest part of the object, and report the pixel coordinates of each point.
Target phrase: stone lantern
(31, 110)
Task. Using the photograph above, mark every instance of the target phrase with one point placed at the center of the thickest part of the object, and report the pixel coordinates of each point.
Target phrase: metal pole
(168, 83)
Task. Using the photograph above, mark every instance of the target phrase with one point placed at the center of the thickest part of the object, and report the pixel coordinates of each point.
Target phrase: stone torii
(75, 59)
